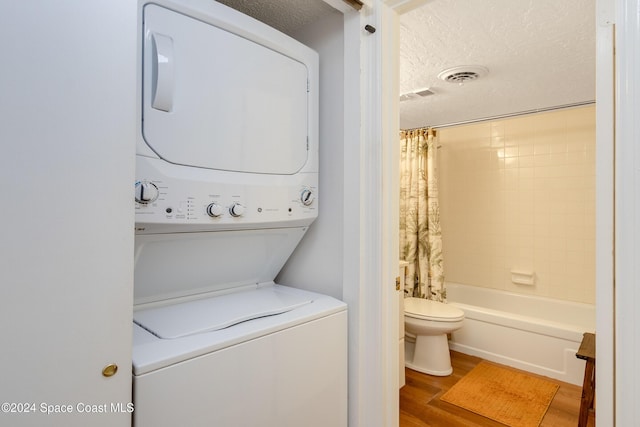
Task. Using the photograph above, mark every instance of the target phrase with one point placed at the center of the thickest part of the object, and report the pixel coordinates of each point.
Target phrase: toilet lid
(421, 308)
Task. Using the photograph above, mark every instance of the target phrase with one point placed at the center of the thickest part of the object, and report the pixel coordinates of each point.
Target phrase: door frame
(612, 336)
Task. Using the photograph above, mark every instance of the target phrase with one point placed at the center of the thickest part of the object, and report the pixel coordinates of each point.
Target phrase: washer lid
(175, 265)
(215, 313)
(421, 308)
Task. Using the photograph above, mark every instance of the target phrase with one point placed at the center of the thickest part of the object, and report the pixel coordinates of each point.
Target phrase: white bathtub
(536, 334)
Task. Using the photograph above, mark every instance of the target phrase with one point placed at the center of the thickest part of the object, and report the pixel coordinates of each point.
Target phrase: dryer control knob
(146, 192)
(214, 210)
(236, 209)
(307, 197)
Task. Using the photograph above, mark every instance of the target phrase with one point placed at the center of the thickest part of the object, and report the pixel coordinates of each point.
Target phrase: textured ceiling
(287, 16)
(540, 54)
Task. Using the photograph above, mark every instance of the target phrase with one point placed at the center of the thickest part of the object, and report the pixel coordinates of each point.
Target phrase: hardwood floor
(420, 404)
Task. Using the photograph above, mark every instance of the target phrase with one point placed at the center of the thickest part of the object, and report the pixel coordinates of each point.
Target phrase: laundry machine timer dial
(146, 192)
(307, 197)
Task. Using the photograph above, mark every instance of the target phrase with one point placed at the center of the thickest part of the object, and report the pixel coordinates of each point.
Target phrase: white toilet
(427, 324)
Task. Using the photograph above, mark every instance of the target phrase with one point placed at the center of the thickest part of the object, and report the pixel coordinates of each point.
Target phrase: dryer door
(216, 100)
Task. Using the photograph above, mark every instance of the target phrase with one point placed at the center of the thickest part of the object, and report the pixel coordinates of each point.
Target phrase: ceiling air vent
(416, 94)
(463, 74)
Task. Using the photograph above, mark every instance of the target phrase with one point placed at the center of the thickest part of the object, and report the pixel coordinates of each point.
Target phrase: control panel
(168, 200)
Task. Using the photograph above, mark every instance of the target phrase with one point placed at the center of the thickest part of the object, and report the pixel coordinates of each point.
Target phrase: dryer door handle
(163, 72)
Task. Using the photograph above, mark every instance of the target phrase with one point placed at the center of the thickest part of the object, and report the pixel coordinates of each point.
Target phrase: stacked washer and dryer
(226, 187)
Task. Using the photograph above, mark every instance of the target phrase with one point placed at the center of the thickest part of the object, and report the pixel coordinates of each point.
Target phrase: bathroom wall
(519, 194)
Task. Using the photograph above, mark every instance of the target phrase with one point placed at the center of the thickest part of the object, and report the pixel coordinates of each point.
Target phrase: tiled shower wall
(519, 195)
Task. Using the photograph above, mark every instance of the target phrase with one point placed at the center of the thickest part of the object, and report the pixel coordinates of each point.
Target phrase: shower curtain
(420, 234)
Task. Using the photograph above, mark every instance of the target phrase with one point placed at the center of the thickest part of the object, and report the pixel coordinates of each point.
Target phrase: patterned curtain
(420, 234)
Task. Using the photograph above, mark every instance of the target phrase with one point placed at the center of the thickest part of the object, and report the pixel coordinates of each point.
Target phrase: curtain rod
(505, 116)
(430, 131)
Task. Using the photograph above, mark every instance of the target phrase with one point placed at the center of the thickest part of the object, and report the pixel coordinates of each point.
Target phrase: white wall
(317, 263)
(66, 171)
(627, 213)
(605, 116)
(342, 254)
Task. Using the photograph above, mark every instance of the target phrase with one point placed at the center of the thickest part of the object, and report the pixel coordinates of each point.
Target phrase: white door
(67, 170)
(214, 99)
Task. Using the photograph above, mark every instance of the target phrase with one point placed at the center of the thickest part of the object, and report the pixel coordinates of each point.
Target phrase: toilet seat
(420, 308)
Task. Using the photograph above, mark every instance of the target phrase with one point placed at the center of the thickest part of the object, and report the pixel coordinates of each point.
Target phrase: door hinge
(398, 283)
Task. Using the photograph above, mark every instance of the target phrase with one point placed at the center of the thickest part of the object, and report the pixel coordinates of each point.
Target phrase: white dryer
(227, 185)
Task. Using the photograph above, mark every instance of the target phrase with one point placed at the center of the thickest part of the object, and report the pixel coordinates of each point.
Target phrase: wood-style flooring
(420, 404)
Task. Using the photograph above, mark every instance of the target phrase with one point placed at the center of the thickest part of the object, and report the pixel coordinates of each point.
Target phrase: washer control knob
(214, 210)
(236, 209)
(307, 197)
(146, 192)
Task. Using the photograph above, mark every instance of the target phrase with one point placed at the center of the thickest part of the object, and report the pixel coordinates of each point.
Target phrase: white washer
(226, 187)
(279, 370)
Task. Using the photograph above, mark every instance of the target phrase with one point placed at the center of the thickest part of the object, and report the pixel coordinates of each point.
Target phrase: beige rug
(511, 398)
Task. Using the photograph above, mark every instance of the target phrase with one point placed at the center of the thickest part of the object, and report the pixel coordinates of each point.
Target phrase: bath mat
(511, 398)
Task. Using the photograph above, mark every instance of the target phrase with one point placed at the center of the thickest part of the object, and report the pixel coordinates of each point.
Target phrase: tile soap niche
(521, 277)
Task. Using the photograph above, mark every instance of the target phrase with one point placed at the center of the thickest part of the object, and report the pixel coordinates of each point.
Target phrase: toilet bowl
(427, 324)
